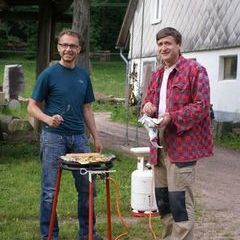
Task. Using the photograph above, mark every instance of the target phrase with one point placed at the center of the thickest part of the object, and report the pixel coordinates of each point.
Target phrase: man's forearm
(34, 109)
(90, 121)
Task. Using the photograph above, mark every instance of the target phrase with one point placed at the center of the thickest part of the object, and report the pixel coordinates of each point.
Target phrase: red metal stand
(54, 206)
(90, 213)
(109, 230)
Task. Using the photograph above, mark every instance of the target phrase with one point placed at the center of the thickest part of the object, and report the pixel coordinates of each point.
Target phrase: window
(148, 67)
(156, 11)
(228, 67)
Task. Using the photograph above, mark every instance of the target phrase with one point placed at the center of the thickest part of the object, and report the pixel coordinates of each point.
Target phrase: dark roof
(123, 36)
(17, 8)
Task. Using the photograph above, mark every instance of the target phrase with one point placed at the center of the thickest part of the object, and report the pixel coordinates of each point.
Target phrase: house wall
(204, 24)
(142, 33)
(214, 31)
(225, 94)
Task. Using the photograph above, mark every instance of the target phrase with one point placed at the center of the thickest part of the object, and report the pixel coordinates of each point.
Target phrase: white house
(211, 35)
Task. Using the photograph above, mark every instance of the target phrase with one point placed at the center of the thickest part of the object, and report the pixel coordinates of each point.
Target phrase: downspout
(126, 97)
(123, 57)
(140, 71)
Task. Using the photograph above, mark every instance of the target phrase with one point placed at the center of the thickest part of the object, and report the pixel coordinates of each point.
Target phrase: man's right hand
(55, 121)
(35, 110)
(149, 109)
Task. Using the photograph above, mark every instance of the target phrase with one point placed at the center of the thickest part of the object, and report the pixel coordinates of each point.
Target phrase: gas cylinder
(142, 191)
(142, 185)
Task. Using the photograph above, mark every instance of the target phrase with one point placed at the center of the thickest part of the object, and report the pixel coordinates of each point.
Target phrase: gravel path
(217, 184)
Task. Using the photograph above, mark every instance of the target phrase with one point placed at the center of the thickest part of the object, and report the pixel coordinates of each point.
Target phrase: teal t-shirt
(64, 92)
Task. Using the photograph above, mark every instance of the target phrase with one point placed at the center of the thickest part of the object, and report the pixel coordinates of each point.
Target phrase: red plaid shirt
(188, 137)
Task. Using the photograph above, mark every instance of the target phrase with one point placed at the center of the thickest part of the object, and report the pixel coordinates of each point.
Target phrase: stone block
(13, 81)
(2, 98)
(19, 125)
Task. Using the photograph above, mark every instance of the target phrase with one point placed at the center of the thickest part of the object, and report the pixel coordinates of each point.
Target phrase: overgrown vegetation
(21, 35)
(230, 141)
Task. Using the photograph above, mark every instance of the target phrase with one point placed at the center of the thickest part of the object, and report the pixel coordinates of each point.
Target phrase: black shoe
(96, 236)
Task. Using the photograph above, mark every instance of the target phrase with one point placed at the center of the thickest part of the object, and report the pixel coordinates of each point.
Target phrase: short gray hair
(169, 31)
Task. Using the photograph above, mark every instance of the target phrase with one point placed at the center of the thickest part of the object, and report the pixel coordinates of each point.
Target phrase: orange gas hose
(150, 215)
(118, 209)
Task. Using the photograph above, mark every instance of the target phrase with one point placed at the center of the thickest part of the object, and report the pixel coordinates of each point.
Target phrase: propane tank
(142, 186)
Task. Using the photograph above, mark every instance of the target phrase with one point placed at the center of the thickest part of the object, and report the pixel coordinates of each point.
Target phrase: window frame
(222, 67)
(156, 8)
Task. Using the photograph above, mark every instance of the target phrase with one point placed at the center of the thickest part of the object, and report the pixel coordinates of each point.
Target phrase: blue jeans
(52, 146)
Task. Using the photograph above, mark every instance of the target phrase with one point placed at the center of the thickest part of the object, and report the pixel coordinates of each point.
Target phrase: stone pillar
(13, 81)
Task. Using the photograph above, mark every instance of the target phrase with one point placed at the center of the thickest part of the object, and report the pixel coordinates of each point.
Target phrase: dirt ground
(217, 188)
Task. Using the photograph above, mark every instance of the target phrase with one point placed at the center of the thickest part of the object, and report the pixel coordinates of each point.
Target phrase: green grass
(119, 113)
(20, 112)
(230, 141)
(109, 78)
(20, 188)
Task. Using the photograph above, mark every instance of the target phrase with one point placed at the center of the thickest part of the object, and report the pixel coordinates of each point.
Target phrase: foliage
(122, 114)
(19, 112)
(103, 107)
(105, 23)
(119, 112)
(19, 35)
(231, 141)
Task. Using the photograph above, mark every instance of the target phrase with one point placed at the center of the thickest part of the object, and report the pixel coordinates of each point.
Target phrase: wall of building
(204, 25)
(225, 94)
(210, 30)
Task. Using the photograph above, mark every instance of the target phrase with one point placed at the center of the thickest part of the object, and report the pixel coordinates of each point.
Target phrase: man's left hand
(166, 120)
(98, 145)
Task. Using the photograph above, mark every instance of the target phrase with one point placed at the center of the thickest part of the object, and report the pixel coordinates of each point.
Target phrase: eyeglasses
(71, 46)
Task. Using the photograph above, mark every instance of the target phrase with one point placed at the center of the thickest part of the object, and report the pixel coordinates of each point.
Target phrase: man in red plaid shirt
(179, 94)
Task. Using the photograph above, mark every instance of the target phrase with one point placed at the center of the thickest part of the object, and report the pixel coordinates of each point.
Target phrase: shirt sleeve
(89, 96)
(41, 88)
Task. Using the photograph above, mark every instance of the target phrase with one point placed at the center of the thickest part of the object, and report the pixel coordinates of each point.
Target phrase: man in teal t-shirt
(67, 94)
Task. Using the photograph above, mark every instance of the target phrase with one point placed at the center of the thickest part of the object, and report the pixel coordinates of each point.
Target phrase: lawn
(108, 78)
(19, 202)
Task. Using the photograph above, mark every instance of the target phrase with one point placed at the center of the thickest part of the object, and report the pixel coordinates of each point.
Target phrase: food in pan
(86, 158)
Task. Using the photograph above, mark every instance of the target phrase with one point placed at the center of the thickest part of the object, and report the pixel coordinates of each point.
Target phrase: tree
(106, 19)
(81, 23)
